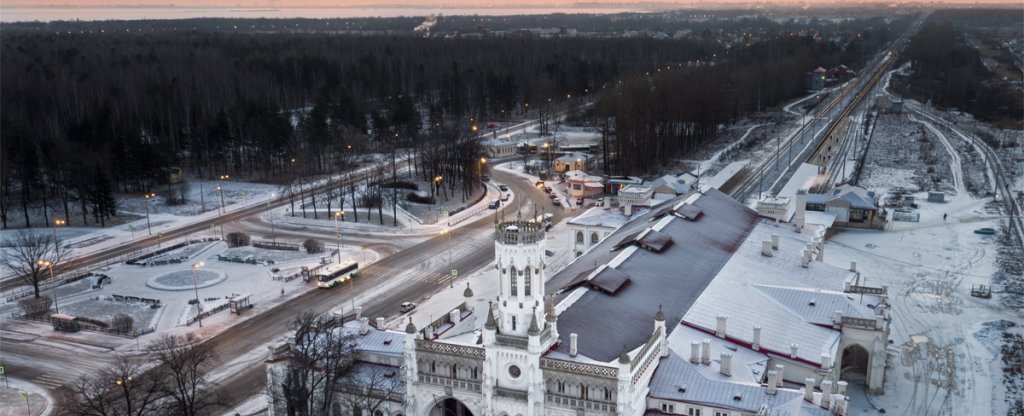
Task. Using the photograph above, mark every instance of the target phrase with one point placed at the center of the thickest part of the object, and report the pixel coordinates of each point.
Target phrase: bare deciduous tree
(185, 359)
(123, 389)
(30, 254)
(321, 353)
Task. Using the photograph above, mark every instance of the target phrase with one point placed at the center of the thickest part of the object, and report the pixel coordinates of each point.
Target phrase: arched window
(593, 238)
(583, 391)
(512, 280)
(561, 386)
(607, 394)
(476, 373)
(433, 366)
(579, 237)
(526, 282)
(378, 413)
(455, 371)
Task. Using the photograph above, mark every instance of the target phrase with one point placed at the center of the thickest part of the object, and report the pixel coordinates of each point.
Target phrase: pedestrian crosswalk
(48, 381)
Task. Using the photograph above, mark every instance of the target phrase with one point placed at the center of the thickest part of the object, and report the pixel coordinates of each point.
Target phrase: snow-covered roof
(375, 340)
(611, 218)
(678, 379)
(748, 366)
(382, 378)
(857, 197)
(776, 293)
(572, 157)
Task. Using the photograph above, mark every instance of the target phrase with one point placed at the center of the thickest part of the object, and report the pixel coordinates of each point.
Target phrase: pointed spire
(410, 329)
(660, 316)
(468, 292)
(490, 324)
(534, 327)
(624, 358)
(551, 308)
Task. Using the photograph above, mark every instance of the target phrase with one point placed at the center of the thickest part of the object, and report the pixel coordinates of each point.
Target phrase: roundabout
(183, 279)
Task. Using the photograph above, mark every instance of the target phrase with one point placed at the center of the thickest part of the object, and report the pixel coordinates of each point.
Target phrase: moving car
(556, 202)
(406, 307)
(504, 197)
(494, 204)
(503, 187)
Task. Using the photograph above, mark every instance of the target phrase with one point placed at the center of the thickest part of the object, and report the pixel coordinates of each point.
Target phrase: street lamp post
(195, 287)
(337, 231)
(123, 383)
(220, 188)
(56, 222)
(273, 233)
(147, 197)
(53, 283)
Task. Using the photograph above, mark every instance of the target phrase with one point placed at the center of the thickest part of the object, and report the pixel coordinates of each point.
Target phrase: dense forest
(949, 72)
(276, 106)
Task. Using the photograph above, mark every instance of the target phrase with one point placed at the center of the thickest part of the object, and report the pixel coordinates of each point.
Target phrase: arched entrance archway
(449, 407)
(855, 363)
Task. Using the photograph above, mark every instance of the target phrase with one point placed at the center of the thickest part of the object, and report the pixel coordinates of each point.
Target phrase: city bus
(336, 273)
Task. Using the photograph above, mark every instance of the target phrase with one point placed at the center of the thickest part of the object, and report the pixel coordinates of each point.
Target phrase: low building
(635, 195)
(816, 79)
(670, 186)
(614, 183)
(774, 207)
(572, 161)
(499, 148)
(852, 206)
(581, 185)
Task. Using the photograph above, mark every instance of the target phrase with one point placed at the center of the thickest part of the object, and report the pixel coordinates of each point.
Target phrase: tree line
(664, 115)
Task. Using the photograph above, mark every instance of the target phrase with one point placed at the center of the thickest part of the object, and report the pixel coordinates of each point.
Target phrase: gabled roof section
(609, 280)
(674, 278)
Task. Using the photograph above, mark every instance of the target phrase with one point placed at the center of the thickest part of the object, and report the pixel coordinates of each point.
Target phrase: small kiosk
(237, 303)
(64, 323)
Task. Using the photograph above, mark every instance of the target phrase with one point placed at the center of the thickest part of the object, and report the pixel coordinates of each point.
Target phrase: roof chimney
(429, 332)
(756, 343)
(809, 389)
(779, 374)
(826, 392)
(826, 361)
(841, 387)
(628, 209)
(359, 312)
(853, 266)
(705, 352)
(720, 328)
(725, 363)
(772, 388)
(694, 352)
(775, 241)
(573, 344)
(793, 349)
(766, 248)
(364, 325)
(837, 319)
(380, 324)
(801, 208)
(806, 261)
(455, 316)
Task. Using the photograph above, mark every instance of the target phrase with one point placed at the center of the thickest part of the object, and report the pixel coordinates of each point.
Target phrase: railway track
(822, 149)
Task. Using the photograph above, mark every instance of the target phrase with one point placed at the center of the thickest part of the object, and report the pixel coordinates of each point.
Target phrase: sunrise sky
(442, 3)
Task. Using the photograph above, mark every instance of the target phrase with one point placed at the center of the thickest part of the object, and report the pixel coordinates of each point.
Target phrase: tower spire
(490, 324)
(534, 327)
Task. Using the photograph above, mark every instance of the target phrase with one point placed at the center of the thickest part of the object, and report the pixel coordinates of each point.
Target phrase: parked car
(504, 197)
(553, 195)
(494, 204)
(579, 201)
(547, 190)
(985, 231)
(556, 202)
(486, 178)
(406, 307)
(503, 187)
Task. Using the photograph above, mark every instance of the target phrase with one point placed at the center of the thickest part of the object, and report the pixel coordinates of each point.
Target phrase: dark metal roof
(674, 278)
(609, 280)
(654, 240)
(690, 212)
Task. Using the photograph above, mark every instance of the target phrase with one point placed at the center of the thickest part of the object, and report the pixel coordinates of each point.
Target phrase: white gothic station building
(698, 307)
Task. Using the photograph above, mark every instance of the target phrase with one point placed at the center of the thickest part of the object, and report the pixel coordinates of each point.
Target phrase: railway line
(826, 145)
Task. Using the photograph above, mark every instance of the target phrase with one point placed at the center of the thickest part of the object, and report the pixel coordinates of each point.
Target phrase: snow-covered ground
(942, 361)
